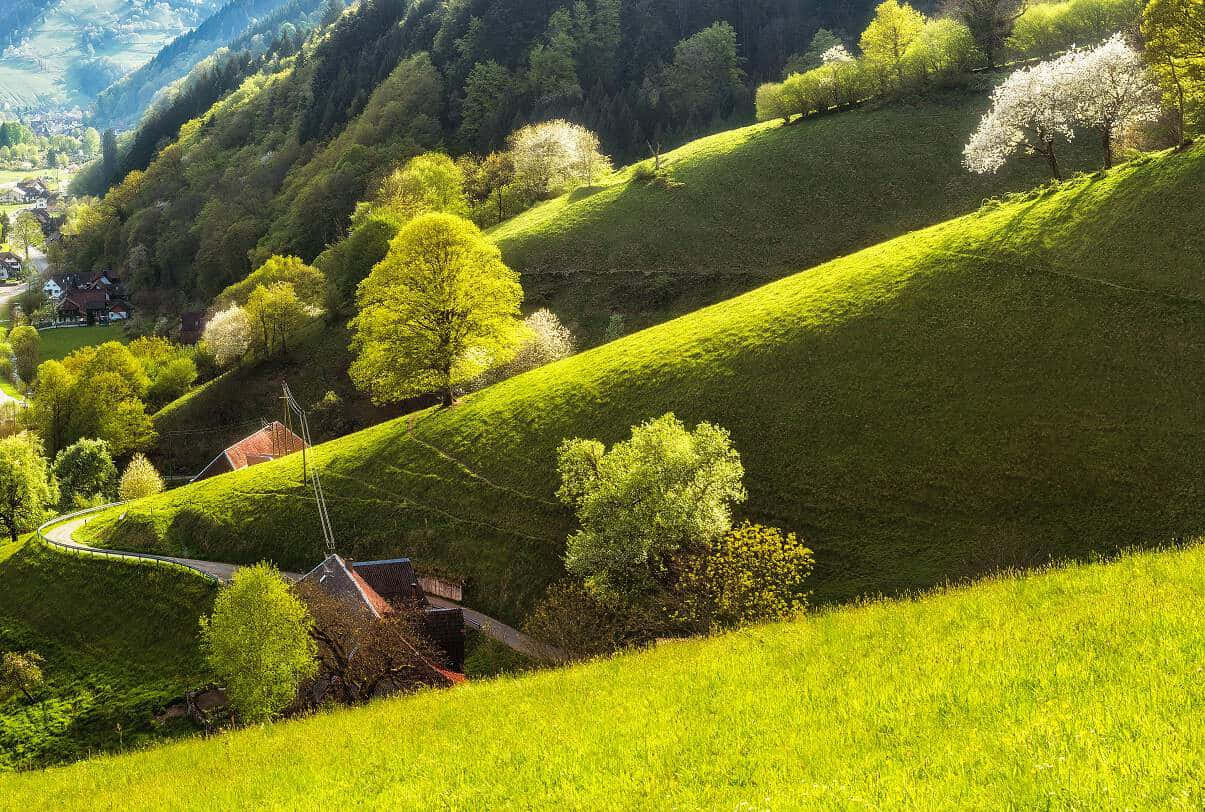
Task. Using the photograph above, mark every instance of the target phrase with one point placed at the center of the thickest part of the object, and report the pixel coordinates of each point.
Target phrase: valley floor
(1076, 687)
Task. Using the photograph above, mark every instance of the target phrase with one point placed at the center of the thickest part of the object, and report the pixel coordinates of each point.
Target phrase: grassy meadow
(1077, 688)
(120, 643)
(742, 208)
(1011, 386)
(57, 344)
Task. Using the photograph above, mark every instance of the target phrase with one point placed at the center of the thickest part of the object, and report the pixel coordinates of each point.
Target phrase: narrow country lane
(63, 535)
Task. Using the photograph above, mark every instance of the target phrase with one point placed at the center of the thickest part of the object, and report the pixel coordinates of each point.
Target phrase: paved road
(63, 535)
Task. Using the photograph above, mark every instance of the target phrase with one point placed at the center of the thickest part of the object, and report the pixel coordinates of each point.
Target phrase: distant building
(192, 326)
(271, 442)
(10, 265)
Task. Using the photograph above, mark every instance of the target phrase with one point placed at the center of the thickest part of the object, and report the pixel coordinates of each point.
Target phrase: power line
(324, 518)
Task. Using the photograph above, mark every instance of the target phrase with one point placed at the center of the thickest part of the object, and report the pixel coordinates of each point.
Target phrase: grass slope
(745, 207)
(1013, 385)
(57, 344)
(120, 643)
(1077, 688)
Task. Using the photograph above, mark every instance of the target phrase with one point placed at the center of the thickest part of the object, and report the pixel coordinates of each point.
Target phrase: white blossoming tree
(1032, 109)
(228, 335)
(1114, 89)
(553, 157)
(1105, 88)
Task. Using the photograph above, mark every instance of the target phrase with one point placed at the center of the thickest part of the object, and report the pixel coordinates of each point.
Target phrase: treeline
(240, 25)
(278, 165)
(902, 50)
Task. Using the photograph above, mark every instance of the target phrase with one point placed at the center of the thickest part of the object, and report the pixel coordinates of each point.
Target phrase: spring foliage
(435, 312)
(257, 642)
(139, 479)
(664, 490)
(1106, 88)
(228, 335)
(26, 487)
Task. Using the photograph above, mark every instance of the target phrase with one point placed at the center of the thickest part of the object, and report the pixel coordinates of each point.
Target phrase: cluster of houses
(96, 298)
(32, 192)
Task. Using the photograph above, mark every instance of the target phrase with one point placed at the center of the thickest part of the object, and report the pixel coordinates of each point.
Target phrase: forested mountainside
(239, 26)
(18, 14)
(65, 52)
(279, 164)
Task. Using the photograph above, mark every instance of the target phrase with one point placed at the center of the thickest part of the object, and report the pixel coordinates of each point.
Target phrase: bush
(573, 620)
(751, 574)
(139, 480)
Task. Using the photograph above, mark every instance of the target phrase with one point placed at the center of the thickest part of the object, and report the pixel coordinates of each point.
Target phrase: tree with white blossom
(1034, 108)
(1113, 89)
(228, 335)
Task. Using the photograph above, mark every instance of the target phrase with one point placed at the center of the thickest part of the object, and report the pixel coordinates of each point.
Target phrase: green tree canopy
(664, 491)
(139, 480)
(1175, 47)
(437, 311)
(26, 487)
(308, 282)
(26, 233)
(26, 344)
(427, 183)
(258, 643)
(705, 76)
(85, 473)
(886, 39)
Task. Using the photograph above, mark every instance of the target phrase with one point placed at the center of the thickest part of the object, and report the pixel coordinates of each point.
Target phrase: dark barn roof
(393, 579)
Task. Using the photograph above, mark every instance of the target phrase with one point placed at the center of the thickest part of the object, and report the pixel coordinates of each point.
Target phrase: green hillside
(1013, 385)
(1077, 688)
(119, 641)
(742, 208)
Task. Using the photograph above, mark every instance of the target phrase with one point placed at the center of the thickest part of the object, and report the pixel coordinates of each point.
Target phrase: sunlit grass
(1018, 384)
(1076, 688)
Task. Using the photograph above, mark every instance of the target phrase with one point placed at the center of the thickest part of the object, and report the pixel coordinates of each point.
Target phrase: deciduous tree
(26, 487)
(139, 480)
(228, 335)
(435, 312)
(26, 344)
(891, 31)
(1113, 89)
(85, 474)
(1174, 31)
(257, 641)
(664, 491)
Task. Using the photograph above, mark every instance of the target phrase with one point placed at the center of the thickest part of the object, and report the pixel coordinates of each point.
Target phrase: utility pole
(303, 423)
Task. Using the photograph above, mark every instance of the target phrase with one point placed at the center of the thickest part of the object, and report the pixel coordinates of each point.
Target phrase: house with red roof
(269, 443)
(354, 586)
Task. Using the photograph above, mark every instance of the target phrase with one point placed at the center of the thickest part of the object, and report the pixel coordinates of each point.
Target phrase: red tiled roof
(378, 604)
(268, 443)
(85, 300)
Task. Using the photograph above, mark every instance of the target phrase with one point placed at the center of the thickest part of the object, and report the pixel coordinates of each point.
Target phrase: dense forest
(240, 25)
(278, 165)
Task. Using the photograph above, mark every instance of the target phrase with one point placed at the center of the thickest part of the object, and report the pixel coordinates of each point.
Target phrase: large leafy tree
(427, 183)
(26, 487)
(645, 500)
(85, 472)
(257, 641)
(437, 311)
(1175, 46)
(26, 233)
(886, 39)
(705, 76)
(990, 22)
(26, 344)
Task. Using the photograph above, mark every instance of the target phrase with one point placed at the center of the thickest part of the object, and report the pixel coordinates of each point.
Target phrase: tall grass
(1077, 688)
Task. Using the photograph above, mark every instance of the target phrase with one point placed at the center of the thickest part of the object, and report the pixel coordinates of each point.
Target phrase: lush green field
(61, 342)
(1017, 384)
(745, 207)
(120, 643)
(1073, 689)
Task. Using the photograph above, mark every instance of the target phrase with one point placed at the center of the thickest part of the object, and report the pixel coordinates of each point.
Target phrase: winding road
(62, 535)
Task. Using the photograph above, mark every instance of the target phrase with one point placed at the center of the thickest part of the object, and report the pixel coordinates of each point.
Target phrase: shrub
(750, 574)
(139, 480)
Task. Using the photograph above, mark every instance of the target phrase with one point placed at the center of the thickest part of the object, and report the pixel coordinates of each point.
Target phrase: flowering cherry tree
(1105, 88)
(1033, 109)
(228, 335)
(1113, 89)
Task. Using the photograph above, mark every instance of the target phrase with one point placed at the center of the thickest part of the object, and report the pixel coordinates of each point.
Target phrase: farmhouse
(271, 442)
(358, 585)
(10, 265)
